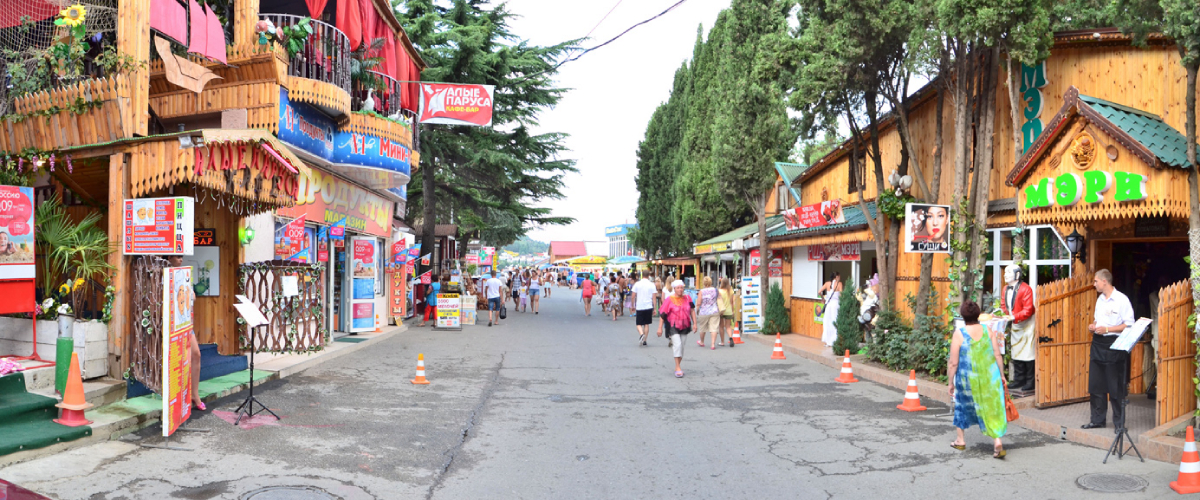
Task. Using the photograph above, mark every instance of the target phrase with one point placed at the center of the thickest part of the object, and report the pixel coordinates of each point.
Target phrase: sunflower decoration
(72, 16)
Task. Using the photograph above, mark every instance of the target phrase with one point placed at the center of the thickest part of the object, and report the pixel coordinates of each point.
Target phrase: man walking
(644, 293)
(1108, 369)
(493, 289)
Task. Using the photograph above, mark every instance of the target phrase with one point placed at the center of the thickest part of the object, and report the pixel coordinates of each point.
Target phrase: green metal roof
(1150, 130)
(741, 232)
(790, 171)
(854, 218)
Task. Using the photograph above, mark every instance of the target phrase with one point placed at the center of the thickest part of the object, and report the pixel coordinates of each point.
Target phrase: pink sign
(364, 251)
(815, 215)
(364, 310)
(836, 251)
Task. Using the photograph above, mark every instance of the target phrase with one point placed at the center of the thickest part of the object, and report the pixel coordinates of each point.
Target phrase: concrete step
(98, 392)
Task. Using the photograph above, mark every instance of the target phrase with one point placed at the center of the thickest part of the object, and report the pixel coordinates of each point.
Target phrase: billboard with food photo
(926, 228)
(815, 215)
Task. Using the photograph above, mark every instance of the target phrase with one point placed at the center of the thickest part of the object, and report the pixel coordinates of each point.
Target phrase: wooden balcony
(91, 111)
(320, 73)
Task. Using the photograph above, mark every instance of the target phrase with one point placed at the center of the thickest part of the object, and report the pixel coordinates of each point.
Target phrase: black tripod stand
(1118, 444)
(246, 409)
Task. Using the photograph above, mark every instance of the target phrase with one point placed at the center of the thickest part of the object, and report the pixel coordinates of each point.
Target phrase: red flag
(427, 277)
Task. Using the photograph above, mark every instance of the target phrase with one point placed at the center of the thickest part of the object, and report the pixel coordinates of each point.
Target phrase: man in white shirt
(493, 289)
(1108, 369)
(643, 301)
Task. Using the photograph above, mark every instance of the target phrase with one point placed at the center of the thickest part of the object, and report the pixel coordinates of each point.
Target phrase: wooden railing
(1064, 311)
(88, 112)
(1176, 353)
(326, 53)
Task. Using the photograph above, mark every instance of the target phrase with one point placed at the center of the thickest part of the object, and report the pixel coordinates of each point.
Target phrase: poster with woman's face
(926, 228)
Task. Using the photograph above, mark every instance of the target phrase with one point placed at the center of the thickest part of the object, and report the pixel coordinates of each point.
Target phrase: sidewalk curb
(1154, 444)
(119, 419)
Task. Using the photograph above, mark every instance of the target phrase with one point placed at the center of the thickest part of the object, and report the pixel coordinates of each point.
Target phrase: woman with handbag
(725, 305)
(832, 291)
(976, 369)
(678, 313)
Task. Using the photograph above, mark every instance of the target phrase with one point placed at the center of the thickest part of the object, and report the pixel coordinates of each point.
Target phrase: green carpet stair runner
(26, 420)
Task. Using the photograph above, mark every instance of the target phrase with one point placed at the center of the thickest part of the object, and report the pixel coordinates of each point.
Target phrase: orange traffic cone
(737, 337)
(912, 400)
(73, 403)
(378, 325)
(778, 352)
(420, 371)
(847, 376)
(1189, 467)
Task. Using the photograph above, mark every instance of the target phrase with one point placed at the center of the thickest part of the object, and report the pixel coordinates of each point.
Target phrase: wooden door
(1176, 354)
(1065, 309)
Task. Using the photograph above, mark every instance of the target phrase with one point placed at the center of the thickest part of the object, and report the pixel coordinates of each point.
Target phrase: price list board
(159, 226)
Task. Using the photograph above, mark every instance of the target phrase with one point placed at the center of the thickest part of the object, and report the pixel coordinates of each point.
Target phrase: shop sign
(16, 233)
(712, 248)
(397, 294)
(1068, 189)
(291, 240)
(327, 199)
(468, 309)
(1033, 79)
(306, 128)
(1152, 227)
(752, 319)
(487, 256)
(176, 325)
(473, 259)
(589, 259)
(449, 309)
(158, 226)
(835, 251)
(814, 215)
(926, 228)
(323, 244)
(452, 104)
(204, 237)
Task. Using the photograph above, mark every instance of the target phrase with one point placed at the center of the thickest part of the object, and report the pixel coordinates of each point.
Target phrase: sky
(614, 90)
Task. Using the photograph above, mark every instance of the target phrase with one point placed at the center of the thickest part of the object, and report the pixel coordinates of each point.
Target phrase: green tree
(776, 318)
(658, 164)
(849, 332)
(488, 180)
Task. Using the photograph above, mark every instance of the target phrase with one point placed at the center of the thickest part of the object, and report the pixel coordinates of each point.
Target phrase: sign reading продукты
(159, 226)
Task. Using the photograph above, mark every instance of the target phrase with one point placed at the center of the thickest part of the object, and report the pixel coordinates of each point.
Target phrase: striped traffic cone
(912, 400)
(847, 376)
(420, 371)
(778, 352)
(74, 402)
(1189, 467)
(737, 337)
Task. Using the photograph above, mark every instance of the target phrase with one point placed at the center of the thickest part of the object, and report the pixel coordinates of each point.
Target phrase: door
(1065, 309)
(362, 264)
(1176, 353)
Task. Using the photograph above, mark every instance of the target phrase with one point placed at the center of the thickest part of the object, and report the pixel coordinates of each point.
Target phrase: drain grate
(1111, 483)
(289, 493)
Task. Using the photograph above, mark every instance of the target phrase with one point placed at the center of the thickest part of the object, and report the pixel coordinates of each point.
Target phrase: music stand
(1125, 342)
(254, 319)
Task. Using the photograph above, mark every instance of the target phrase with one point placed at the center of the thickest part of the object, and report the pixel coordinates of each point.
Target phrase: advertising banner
(159, 226)
(487, 256)
(835, 251)
(326, 199)
(398, 252)
(427, 278)
(815, 215)
(323, 244)
(362, 276)
(473, 259)
(306, 128)
(178, 300)
(468, 309)
(16, 233)
(449, 308)
(425, 259)
(751, 305)
(926, 228)
(290, 239)
(452, 104)
(396, 294)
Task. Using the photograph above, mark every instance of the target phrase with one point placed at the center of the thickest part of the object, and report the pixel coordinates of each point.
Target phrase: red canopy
(350, 21)
(316, 7)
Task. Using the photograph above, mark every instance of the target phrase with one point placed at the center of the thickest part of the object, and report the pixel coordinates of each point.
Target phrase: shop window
(1052, 272)
(781, 198)
(1050, 246)
(990, 250)
(1006, 245)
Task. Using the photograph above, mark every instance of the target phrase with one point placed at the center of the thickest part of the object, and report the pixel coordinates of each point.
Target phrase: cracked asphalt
(564, 406)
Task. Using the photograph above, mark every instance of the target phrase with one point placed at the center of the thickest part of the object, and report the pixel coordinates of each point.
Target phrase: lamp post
(1077, 246)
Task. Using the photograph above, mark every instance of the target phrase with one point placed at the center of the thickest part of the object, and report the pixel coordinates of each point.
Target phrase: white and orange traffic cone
(1189, 467)
(74, 403)
(378, 324)
(737, 337)
(778, 352)
(847, 376)
(420, 380)
(912, 400)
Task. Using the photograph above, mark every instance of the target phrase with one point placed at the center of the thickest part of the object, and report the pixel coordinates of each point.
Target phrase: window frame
(1031, 238)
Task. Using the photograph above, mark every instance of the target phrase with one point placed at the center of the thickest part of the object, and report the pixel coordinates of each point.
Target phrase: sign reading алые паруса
(1067, 189)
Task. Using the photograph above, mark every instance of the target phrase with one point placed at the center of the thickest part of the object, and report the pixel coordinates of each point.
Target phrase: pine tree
(849, 332)
(775, 318)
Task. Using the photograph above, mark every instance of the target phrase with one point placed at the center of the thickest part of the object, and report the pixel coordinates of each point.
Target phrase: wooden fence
(146, 317)
(103, 116)
(1176, 353)
(297, 323)
(1065, 309)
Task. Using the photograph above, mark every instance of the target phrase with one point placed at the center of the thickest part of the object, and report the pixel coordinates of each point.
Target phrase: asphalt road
(560, 405)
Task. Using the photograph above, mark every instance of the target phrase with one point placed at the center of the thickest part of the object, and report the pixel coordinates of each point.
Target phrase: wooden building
(257, 135)
(1103, 158)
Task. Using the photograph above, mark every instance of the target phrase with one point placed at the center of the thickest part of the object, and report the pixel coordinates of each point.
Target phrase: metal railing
(386, 95)
(326, 53)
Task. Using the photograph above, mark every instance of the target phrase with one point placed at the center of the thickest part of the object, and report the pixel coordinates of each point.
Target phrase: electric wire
(610, 11)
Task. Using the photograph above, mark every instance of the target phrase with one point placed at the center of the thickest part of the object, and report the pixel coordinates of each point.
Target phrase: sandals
(678, 373)
(199, 406)
(959, 447)
(700, 343)
(999, 454)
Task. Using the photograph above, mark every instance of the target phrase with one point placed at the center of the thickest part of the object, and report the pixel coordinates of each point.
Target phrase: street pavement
(559, 405)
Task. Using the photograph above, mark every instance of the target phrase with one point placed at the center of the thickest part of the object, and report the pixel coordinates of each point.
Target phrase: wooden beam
(76, 188)
(118, 190)
(133, 39)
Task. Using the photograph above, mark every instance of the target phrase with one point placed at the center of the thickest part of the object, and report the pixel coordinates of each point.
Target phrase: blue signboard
(310, 130)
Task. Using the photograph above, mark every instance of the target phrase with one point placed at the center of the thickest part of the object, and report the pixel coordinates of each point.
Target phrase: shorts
(708, 323)
(534, 293)
(494, 304)
(645, 316)
(430, 312)
(516, 294)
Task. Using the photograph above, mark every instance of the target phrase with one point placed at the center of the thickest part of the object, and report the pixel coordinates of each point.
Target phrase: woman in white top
(831, 291)
(535, 290)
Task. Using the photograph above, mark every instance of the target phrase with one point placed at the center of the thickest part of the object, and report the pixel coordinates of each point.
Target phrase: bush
(848, 330)
(923, 347)
(776, 319)
(889, 341)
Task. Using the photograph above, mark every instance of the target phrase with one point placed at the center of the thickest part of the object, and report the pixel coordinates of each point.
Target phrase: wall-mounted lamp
(1076, 244)
(245, 235)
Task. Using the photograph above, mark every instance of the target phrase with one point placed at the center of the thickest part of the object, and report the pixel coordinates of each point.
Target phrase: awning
(724, 242)
(690, 260)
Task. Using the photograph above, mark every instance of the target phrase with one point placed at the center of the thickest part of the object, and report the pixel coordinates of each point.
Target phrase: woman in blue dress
(976, 367)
